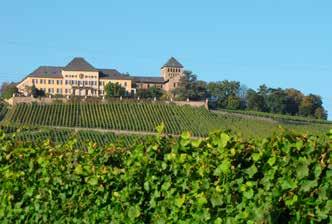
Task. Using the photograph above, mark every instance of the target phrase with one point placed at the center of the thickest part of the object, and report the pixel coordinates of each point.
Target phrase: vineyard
(3, 110)
(121, 116)
(60, 136)
(279, 117)
(144, 117)
(222, 179)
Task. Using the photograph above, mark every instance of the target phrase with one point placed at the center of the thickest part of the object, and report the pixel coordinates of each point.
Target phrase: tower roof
(173, 63)
(79, 64)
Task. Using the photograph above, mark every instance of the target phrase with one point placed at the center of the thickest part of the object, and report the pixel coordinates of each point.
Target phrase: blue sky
(280, 43)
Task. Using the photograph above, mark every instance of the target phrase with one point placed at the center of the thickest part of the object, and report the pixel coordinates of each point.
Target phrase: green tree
(233, 103)
(255, 101)
(114, 90)
(151, 92)
(312, 106)
(8, 89)
(222, 90)
(35, 92)
(190, 87)
(320, 113)
(276, 101)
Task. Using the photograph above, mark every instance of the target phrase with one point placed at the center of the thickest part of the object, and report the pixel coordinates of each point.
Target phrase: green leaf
(146, 186)
(288, 183)
(223, 168)
(224, 139)
(251, 171)
(302, 169)
(165, 186)
(93, 181)
(216, 200)
(218, 221)
(299, 145)
(196, 143)
(134, 212)
(249, 193)
(317, 170)
(272, 160)
(78, 169)
(291, 201)
(256, 157)
(180, 201)
(186, 135)
(201, 199)
(160, 128)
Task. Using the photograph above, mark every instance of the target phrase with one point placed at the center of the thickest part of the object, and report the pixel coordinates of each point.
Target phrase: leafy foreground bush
(221, 179)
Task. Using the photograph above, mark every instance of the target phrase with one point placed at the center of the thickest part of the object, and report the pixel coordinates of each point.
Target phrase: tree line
(234, 96)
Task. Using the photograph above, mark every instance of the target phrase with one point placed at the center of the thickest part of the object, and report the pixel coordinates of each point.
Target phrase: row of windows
(78, 82)
(173, 70)
(142, 85)
(90, 76)
(67, 91)
(71, 76)
(45, 81)
(81, 75)
(172, 75)
(51, 90)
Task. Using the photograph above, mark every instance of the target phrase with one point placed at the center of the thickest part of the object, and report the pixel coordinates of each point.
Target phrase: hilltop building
(80, 78)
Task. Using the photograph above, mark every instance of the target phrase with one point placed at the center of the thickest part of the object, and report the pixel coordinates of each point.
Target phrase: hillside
(142, 118)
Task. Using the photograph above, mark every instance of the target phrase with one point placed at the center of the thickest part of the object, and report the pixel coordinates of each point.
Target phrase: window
(58, 91)
(174, 84)
(125, 84)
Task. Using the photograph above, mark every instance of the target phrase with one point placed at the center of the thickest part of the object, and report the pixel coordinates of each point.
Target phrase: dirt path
(115, 131)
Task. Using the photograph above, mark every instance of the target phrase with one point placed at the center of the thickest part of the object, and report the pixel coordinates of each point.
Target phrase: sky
(279, 43)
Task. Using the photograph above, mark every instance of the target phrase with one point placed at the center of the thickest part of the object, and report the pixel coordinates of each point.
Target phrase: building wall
(173, 75)
(49, 85)
(80, 83)
(73, 83)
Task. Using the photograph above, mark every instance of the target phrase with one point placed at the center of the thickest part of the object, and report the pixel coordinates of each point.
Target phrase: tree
(294, 99)
(223, 90)
(190, 87)
(255, 101)
(276, 101)
(233, 103)
(320, 113)
(8, 89)
(35, 92)
(151, 92)
(310, 104)
(114, 90)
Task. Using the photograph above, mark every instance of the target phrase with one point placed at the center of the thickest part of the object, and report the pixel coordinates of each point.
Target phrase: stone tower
(171, 72)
